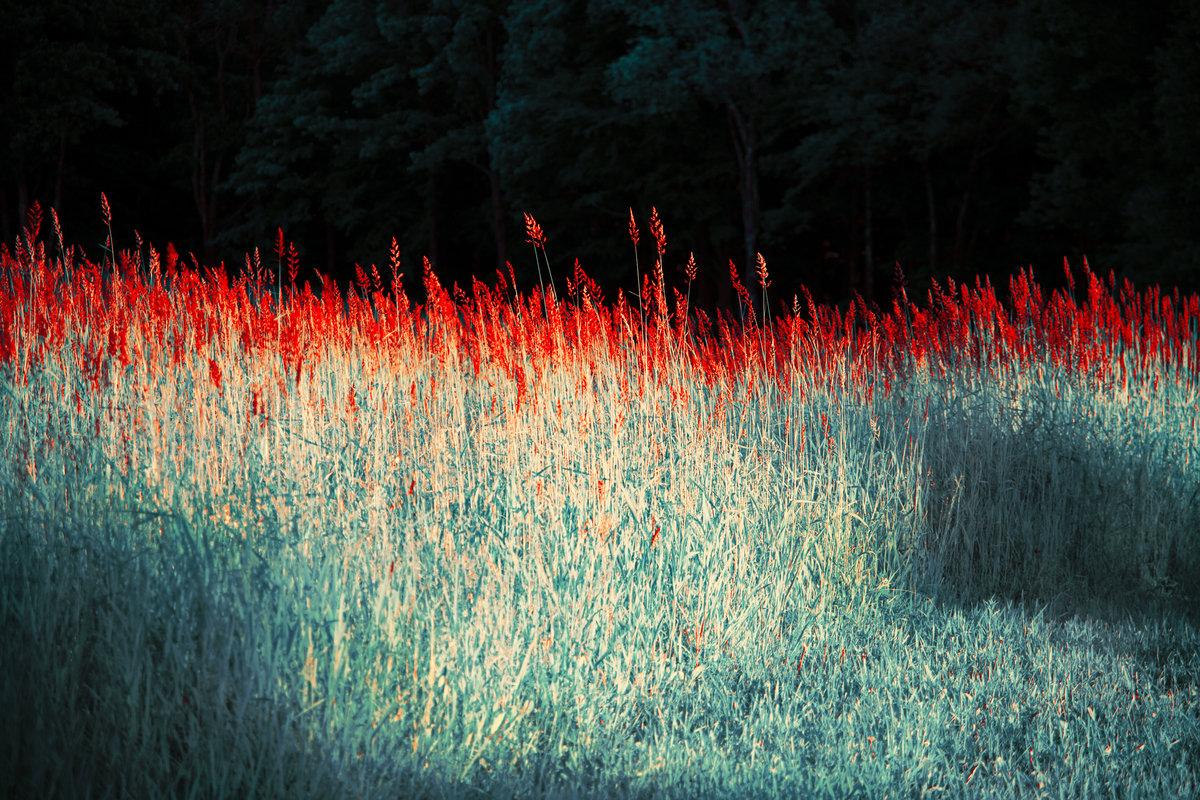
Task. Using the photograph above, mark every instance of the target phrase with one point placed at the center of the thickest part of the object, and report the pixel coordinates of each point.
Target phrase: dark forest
(836, 138)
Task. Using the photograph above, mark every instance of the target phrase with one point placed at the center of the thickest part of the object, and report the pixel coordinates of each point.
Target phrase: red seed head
(1067, 273)
(533, 231)
(33, 221)
(656, 230)
(394, 259)
(634, 235)
(58, 234)
(293, 262)
(760, 269)
(742, 292)
(105, 210)
(689, 269)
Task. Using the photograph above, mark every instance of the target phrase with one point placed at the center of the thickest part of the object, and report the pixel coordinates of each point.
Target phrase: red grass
(69, 307)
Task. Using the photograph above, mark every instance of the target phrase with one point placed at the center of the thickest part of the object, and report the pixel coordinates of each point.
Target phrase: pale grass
(807, 620)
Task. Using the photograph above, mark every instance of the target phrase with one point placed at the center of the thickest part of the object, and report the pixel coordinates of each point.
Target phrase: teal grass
(974, 585)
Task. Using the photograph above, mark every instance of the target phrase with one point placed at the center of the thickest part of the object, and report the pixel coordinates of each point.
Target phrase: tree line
(837, 138)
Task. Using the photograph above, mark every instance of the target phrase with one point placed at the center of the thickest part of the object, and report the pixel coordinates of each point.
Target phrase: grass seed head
(657, 231)
(533, 231)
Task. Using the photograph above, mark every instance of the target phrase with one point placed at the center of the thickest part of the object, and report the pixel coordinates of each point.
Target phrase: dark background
(836, 138)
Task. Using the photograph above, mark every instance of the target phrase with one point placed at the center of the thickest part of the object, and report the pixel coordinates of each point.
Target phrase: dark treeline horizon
(836, 138)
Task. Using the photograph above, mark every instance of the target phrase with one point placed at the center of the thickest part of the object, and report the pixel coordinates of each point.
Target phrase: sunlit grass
(526, 546)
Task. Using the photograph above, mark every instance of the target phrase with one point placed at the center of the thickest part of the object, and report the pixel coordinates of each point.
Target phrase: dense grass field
(261, 539)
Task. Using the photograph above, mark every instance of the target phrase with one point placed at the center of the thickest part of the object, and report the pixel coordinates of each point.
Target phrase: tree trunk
(431, 207)
(22, 200)
(199, 172)
(848, 280)
(868, 282)
(750, 219)
(204, 189)
(744, 149)
(497, 216)
(960, 228)
(931, 205)
(978, 152)
(960, 222)
(5, 219)
(214, 195)
(58, 174)
(330, 248)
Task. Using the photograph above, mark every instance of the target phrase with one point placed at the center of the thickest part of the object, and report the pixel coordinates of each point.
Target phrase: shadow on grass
(129, 672)
(125, 675)
(1064, 513)
(146, 670)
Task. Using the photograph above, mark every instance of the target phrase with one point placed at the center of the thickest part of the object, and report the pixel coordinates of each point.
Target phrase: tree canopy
(835, 137)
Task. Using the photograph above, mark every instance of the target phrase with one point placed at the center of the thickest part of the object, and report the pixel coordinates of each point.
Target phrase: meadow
(264, 537)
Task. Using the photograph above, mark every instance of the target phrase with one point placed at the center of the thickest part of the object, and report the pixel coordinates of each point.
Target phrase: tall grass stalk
(391, 550)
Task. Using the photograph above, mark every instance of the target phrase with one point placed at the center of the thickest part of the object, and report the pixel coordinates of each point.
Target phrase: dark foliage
(836, 137)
